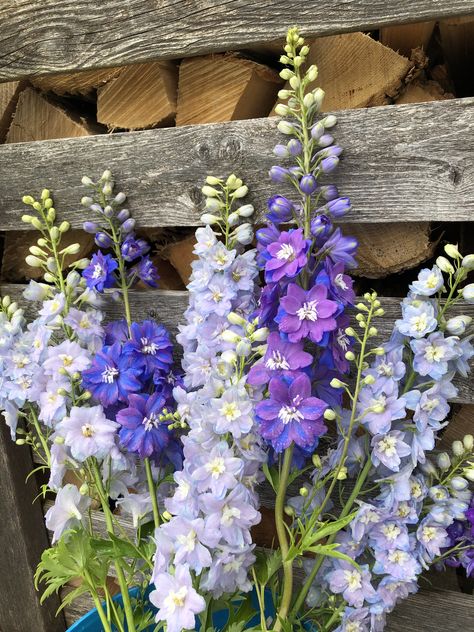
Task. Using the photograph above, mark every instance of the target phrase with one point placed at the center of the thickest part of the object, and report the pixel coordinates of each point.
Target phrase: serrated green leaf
(330, 550)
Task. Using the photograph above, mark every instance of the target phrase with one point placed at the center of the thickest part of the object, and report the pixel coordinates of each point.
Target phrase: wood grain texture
(9, 93)
(167, 307)
(143, 95)
(37, 118)
(401, 163)
(49, 36)
(408, 36)
(219, 88)
(24, 538)
(75, 82)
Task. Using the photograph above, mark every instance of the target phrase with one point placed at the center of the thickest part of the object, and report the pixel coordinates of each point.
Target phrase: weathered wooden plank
(24, 538)
(49, 36)
(410, 162)
(167, 307)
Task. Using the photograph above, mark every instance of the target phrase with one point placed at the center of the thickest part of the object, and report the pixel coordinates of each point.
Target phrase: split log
(75, 82)
(220, 88)
(38, 118)
(355, 71)
(144, 95)
(16, 249)
(181, 255)
(9, 93)
(462, 423)
(405, 37)
(457, 40)
(420, 92)
(388, 248)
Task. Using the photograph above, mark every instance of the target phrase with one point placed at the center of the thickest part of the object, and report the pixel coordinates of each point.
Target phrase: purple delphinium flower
(149, 347)
(429, 282)
(306, 314)
(176, 599)
(433, 353)
(280, 356)
(142, 432)
(116, 331)
(112, 377)
(389, 449)
(280, 209)
(99, 274)
(287, 256)
(354, 585)
(134, 247)
(291, 414)
(340, 288)
(87, 432)
(146, 271)
(340, 249)
(69, 510)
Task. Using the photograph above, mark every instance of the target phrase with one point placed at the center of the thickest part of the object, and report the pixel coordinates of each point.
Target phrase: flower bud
(458, 324)
(443, 460)
(329, 414)
(236, 319)
(350, 355)
(108, 212)
(469, 474)
(120, 198)
(90, 227)
(285, 127)
(128, 225)
(468, 442)
(280, 209)
(260, 335)
(445, 265)
(244, 234)
(452, 251)
(246, 210)
(233, 219)
(304, 491)
(321, 226)
(73, 279)
(308, 100)
(329, 164)
(33, 261)
(230, 336)
(102, 240)
(286, 74)
(289, 511)
(208, 218)
(229, 356)
(318, 97)
(373, 331)
(84, 489)
(295, 82)
(369, 379)
(81, 264)
(166, 516)
(457, 448)
(282, 110)
(335, 383)
(329, 121)
(279, 174)
(20, 442)
(36, 251)
(378, 351)
(243, 347)
(6, 301)
(36, 223)
(86, 201)
(342, 474)
(308, 184)
(86, 181)
(240, 192)
(209, 191)
(468, 262)
(458, 483)
(284, 94)
(312, 73)
(317, 130)
(316, 459)
(27, 199)
(49, 278)
(350, 331)
(468, 293)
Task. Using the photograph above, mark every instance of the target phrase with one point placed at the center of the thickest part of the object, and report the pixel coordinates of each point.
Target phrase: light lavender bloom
(233, 412)
(67, 356)
(355, 620)
(397, 563)
(60, 455)
(176, 600)
(87, 326)
(52, 308)
(367, 517)
(432, 354)
(217, 297)
(392, 590)
(379, 406)
(388, 367)
(219, 472)
(205, 239)
(431, 409)
(229, 571)
(190, 538)
(88, 432)
(354, 585)
(218, 257)
(389, 449)
(433, 538)
(138, 506)
(461, 363)
(429, 282)
(52, 404)
(69, 510)
(183, 502)
(390, 534)
(35, 291)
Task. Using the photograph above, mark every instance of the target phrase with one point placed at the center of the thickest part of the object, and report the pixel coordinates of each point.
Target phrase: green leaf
(330, 528)
(272, 476)
(330, 550)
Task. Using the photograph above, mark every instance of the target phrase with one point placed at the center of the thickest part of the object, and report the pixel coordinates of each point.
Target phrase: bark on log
(224, 88)
(141, 96)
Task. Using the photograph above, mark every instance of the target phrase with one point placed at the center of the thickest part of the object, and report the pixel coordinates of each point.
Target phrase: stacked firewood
(396, 65)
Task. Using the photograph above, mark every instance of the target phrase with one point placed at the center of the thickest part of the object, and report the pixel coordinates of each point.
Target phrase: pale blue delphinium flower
(69, 510)
(429, 282)
(354, 585)
(68, 357)
(398, 563)
(219, 471)
(229, 571)
(379, 406)
(433, 353)
(418, 318)
(389, 449)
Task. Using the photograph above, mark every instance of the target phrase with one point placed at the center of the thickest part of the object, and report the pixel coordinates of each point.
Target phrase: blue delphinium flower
(146, 271)
(149, 348)
(112, 377)
(429, 282)
(433, 354)
(142, 431)
(100, 272)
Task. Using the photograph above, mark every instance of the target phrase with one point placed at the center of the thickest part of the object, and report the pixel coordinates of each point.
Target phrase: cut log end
(142, 96)
(75, 82)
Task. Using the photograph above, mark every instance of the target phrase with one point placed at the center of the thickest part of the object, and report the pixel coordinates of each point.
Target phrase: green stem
(152, 488)
(118, 563)
(111, 606)
(346, 509)
(100, 610)
(41, 438)
(335, 616)
(283, 540)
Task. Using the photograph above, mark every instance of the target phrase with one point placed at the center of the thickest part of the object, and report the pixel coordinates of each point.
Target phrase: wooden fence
(405, 163)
